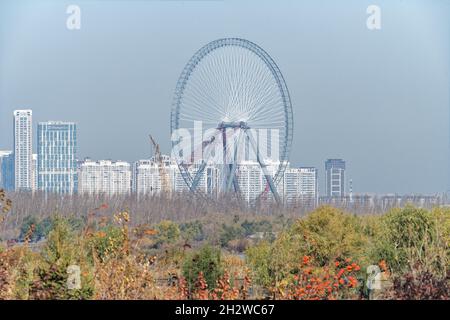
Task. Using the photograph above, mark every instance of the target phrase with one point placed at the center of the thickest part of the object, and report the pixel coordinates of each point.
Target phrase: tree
(326, 235)
(329, 234)
(206, 260)
(61, 250)
(258, 257)
(168, 232)
(28, 224)
(413, 238)
(192, 231)
(230, 232)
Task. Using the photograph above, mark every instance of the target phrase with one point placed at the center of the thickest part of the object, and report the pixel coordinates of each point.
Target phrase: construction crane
(166, 186)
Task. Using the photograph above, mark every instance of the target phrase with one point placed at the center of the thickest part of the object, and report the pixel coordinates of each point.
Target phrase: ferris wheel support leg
(206, 156)
(236, 185)
(224, 153)
(232, 179)
(198, 176)
(263, 166)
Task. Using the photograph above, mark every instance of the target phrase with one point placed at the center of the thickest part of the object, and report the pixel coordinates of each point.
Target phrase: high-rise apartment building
(335, 178)
(34, 172)
(23, 129)
(104, 177)
(7, 170)
(146, 177)
(208, 182)
(57, 145)
(251, 180)
(301, 187)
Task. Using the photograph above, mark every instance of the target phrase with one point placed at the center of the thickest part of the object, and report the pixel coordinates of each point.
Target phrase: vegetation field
(120, 253)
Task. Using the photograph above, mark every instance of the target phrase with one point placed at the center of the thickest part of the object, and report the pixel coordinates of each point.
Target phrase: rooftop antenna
(351, 190)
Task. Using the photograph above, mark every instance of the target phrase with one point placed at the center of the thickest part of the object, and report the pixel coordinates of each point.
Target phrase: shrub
(168, 232)
(230, 232)
(206, 260)
(16, 272)
(326, 283)
(326, 235)
(63, 248)
(329, 234)
(238, 245)
(250, 227)
(259, 258)
(414, 239)
(192, 231)
(107, 243)
(40, 229)
(419, 286)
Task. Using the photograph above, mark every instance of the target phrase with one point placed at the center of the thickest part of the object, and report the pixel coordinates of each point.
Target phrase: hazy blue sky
(378, 99)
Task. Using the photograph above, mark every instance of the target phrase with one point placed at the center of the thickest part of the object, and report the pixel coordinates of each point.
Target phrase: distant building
(57, 145)
(34, 172)
(7, 170)
(301, 187)
(251, 180)
(23, 149)
(335, 178)
(146, 177)
(104, 177)
(208, 182)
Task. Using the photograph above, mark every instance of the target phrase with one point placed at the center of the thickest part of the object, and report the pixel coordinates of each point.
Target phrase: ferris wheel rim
(276, 73)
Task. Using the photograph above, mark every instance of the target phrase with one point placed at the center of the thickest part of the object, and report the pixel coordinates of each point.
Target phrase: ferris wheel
(235, 90)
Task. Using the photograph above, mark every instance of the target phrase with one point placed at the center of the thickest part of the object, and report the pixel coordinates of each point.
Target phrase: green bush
(414, 238)
(327, 235)
(63, 248)
(207, 260)
(40, 229)
(107, 243)
(192, 231)
(230, 232)
(60, 248)
(251, 227)
(168, 233)
(259, 258)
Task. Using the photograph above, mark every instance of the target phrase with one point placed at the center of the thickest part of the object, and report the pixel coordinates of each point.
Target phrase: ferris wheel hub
(233, 125)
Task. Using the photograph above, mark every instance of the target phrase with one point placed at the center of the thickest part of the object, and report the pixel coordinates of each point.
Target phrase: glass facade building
(56, 162)
(7, 170)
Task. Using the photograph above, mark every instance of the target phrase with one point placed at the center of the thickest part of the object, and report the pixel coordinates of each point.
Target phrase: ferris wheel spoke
(205, 100)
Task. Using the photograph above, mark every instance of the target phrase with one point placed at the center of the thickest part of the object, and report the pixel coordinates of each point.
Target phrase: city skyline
(55, 168)
(57, 141)
(378, 99)
(298, 187)
(330, 163)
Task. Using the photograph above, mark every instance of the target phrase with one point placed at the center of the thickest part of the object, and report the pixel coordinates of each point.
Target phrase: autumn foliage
(323, 256)
(310, 283)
